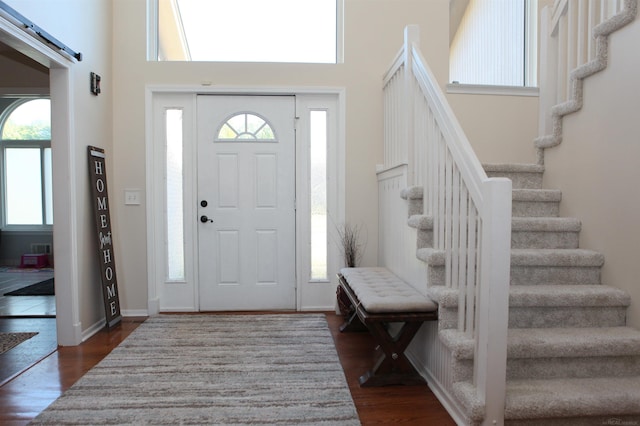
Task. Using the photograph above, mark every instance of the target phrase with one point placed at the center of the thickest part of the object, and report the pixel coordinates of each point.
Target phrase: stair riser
(435, 275)
(424, 239)
(576, 367)
(447, 318)
(535, 208)
(532, 275)
(566, 316)
(415, 207)
(464, 372)
(542, 317)
(544, 240)
(520, 180)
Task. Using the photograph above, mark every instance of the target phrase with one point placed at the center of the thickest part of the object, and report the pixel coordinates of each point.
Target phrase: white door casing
(246, 202)
(175, 293)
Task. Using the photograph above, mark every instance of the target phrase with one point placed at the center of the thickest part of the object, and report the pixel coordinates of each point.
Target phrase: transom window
(246, 127)
(26, 193)
(304, 31)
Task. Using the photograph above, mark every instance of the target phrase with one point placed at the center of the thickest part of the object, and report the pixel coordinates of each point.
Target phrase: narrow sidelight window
(318, 191)
(174, 196)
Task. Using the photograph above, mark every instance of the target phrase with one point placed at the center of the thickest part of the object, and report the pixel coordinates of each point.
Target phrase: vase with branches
(350, 240)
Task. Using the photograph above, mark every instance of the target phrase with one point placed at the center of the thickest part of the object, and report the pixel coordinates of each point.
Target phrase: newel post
(411, 40)
(490, 360)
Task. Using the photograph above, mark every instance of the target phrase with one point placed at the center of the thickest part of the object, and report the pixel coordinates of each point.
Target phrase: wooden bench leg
(352, 323)
(392, 366)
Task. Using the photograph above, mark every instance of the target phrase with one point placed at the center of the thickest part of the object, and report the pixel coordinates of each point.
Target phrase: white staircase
(528, 333)
(570, 357)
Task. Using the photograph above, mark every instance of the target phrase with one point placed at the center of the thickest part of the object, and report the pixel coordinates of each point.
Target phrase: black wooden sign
(100, 201)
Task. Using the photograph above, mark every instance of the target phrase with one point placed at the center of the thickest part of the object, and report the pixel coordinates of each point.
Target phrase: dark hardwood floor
(22, 398)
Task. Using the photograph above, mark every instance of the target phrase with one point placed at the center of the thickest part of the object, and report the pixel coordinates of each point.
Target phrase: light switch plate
(132, 197)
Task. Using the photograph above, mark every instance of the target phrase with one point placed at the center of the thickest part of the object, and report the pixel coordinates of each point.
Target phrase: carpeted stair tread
(558, 295)
(531, 399)
(412, 193)
(545, 295)
(431, 256)
(556, 257)
(460, 345)
(421, 222)
(554, 342)
(573, 342)
(513, 168)
(546, 224)
(545, 233)
(444, 296)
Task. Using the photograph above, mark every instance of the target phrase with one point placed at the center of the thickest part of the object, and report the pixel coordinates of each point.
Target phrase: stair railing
(574, 45)
(471, 212)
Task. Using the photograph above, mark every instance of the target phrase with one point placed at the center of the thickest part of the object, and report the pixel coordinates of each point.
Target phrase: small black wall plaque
(104, 236)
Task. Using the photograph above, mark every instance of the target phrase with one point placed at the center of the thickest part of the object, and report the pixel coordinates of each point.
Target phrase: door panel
(246, 175)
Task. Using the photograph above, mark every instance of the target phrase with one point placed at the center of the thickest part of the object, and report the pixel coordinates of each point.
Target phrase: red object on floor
(34, 261)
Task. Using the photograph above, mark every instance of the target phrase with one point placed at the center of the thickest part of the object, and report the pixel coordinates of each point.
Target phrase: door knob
(205, 219)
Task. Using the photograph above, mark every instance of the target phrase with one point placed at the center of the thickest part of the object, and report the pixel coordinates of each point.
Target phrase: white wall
(596, 165)
(84, 26)
(501, 128)
(373, 35)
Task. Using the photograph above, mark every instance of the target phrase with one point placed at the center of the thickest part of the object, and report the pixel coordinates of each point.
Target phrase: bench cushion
(379, 291)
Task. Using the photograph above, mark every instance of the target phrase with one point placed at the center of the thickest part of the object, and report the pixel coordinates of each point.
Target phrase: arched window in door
(25, 163)
(246, 127)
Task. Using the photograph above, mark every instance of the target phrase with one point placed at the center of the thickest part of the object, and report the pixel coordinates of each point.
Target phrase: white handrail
(471, 212)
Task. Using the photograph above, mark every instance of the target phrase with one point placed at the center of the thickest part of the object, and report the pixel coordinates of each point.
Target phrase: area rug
(43, 288)
(214, 370)
(11, 340)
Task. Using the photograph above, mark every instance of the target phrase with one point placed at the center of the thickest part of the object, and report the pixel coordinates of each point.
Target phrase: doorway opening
(27, 52)
(26, 207)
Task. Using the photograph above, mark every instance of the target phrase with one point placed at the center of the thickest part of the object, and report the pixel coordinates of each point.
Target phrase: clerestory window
(246, 30)
(26, 193)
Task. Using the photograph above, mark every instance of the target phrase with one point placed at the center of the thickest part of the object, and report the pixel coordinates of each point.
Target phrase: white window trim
(481, 89)
(311, 295)
(26, 143)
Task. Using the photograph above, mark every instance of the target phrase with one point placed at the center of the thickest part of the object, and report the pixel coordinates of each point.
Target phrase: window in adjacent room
(25, 163)
(247, 30)
(495, 43)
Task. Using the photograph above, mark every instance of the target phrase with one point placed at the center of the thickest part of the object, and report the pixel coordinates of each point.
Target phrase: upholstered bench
(375, 298)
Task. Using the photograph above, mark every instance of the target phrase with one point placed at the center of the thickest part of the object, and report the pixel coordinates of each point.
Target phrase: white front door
(246, 202)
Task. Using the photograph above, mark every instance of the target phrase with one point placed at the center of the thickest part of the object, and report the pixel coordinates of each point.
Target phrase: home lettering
(104, 235)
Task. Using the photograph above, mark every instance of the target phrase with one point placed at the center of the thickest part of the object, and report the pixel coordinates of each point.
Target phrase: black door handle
(205, 219)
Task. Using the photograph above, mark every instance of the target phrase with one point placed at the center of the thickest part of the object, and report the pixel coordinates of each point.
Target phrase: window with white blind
(495, 44)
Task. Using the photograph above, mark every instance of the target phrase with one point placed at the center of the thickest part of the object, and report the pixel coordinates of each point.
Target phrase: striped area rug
(214, 370)
(11, 340)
